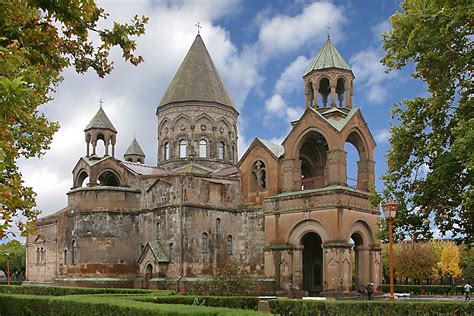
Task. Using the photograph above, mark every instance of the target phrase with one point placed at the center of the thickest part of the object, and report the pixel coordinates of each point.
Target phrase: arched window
(229, 244)
(109, 178)
(205, 242)
(65, 256)
(166, 153)
(42, 255)
(183, 144)
(203, 148)
(74, 252)
(221, 150)
(232, 152)
(158, 231)
(218, 226)
(258, 177)
(38, 256)
(170, 251)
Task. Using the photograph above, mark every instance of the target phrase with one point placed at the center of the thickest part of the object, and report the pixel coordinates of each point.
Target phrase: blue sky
(261, 49)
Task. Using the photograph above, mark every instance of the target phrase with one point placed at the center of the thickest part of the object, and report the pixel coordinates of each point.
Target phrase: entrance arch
(149, 272)
(312, 263)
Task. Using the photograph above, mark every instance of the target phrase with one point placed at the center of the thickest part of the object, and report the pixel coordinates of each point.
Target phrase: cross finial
(100, 103)
(328, 27)
(198, 26)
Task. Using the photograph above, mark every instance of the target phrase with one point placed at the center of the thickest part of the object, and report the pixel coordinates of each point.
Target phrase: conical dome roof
(197, 79)
(100, 121)
(134, 149)
(328, 57)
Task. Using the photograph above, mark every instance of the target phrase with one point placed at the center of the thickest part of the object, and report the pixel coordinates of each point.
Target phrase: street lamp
(389, 211)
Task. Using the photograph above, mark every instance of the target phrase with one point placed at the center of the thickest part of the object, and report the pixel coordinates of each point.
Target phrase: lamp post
(389, 211)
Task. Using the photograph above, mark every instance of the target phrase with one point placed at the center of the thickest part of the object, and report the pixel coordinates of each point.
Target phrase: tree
(38, 40)
(449, 263)
(414, 260)
(430, 161)
(15, 252)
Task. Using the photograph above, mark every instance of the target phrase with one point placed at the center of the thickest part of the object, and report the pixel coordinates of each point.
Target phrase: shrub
(329, 308)
(65, 290)
(13, 305)
(241, 302)
(231, 280)
(421, 289)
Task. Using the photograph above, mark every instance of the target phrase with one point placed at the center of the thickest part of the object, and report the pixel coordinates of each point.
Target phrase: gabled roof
(134, 149)
(328, 57)
(337, 124)
(100, 121)
(197, 79)
(157, 250)
(144, 170)
(277, 149)
(193, 168)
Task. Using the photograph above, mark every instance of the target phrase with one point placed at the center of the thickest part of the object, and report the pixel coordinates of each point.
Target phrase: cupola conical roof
(328, 57)
(197, 79)
(134, 149)
(100, 121)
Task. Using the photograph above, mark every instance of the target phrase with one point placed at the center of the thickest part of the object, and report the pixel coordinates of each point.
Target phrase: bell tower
(328, 80)
(100, 128)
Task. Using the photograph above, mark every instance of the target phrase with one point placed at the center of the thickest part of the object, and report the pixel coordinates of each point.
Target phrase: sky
(261, 50)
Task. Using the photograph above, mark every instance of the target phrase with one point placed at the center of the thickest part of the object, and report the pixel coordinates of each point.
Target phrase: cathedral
(285, 211)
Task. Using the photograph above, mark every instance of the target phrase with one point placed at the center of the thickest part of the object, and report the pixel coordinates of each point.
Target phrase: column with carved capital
(365, 174)
(298, 267)
(336, 165)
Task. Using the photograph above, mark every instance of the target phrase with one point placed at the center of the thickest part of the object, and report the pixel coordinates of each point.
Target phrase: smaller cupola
(134, 153)
(100, 128)
(328, 80)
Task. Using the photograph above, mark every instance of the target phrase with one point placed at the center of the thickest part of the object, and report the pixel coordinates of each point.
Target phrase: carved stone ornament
(166, 130)
(182, 127)
(221, 129)
(203, 127)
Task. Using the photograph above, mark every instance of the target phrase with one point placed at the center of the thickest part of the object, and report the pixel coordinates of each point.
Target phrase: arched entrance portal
(149, 272)
(360, 262)
(312, 263)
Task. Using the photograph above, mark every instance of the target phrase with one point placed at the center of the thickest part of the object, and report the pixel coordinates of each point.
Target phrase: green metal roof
(276, 149)
(328, 57)
(134, 149)
(338, 124)
(158, 251)
(197, 79)
(100, 121)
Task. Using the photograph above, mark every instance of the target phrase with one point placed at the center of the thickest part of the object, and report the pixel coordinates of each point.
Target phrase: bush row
(14, 304)
(65, 290)
(11, 282)
(241, 302)
(425, 289)
(329, 308)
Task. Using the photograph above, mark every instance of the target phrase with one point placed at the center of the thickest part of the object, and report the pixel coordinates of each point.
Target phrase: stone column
(336, 166)
(348, 99)
(316, 95)
(106, 145)
(307, 99)
(333, 96)
(287, 167)
(297, 268)
(362, 265)
(365, 174)
(94, 144)
(375, 267)
(87, 148)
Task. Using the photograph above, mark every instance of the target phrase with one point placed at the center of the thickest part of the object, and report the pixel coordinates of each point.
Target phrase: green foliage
(38, 40)
(231, 280)
(424, 289)
(302, 308)
(414, 260)
(430, 161)
(101, 305)
(16, 255)
(467, 263)
(241, 302)
(66, 290)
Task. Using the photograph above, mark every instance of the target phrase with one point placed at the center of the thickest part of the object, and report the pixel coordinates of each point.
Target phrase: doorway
(312, 264)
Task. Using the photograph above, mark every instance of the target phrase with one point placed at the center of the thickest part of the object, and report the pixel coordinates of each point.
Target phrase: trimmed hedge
(241, 302)
(11, 282)
(330, 308)
(101, 306)
(66, 290)
(425, 289)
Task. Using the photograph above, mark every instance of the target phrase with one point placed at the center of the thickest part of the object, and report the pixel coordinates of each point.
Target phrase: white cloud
(371, 73)
(381, 27)
(285, 33)
(382, 136)
(290, 79)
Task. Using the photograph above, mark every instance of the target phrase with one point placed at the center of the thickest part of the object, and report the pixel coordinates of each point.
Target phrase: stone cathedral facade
(285, 211)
